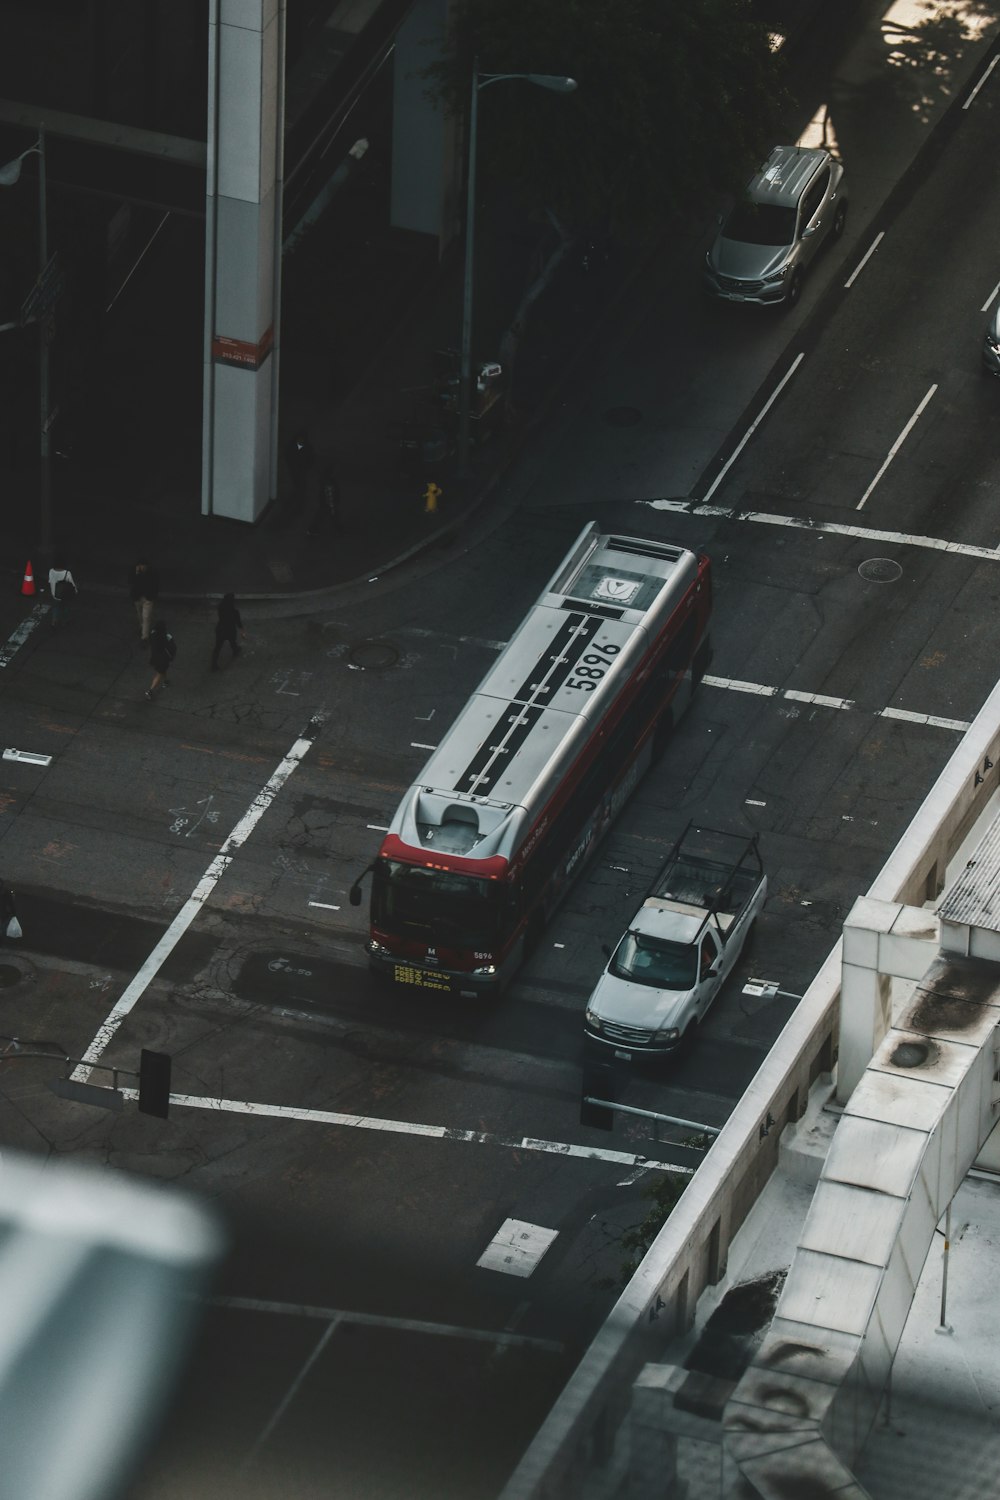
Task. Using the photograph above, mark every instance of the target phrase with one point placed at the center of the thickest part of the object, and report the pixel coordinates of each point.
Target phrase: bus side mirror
(354, 894)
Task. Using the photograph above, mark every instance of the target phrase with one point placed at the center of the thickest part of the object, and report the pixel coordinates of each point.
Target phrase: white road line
(193, 905)
(378, 827)
(982, 80)
(508, 1339)
(288, 1398)
(733, 685)
(17, 638)
(864, 260)
(819, 698)
(823, 700)
(772, 398)
(961, 725)
(830, 528)
(416, 745)
(896, 447)
(409, 1127)
(986, 305)
(325, 905)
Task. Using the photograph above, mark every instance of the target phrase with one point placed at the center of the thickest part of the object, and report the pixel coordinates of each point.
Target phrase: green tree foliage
(663, 1196)
(673, 95)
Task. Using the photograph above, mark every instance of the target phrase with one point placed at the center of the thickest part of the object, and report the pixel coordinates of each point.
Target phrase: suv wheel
(794, 288)
(839, 220)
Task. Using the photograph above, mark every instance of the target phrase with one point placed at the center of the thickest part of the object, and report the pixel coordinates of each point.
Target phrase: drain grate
(368, 656)
(880, 570)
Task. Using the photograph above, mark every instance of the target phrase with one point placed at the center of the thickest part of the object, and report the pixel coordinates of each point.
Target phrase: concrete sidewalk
(364, 311)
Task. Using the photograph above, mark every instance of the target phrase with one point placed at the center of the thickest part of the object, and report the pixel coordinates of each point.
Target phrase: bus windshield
(666, 965)
(438, 906)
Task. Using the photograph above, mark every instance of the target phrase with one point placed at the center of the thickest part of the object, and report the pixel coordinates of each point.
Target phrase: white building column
(882, 940)
(242, 256)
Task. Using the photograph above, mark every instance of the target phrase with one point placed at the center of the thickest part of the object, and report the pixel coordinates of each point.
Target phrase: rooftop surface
(938, 1429)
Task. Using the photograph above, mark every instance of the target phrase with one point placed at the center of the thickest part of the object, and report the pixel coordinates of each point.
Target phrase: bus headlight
(378, 950)
(486, 972)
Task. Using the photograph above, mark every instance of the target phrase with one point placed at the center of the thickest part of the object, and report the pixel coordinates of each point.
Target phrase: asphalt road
(365, 1148)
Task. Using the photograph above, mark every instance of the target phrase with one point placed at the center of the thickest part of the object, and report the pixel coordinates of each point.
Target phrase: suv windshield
(760, 224)
(644, 960)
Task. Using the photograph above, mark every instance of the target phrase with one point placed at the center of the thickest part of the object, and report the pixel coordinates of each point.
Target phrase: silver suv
(796, 201)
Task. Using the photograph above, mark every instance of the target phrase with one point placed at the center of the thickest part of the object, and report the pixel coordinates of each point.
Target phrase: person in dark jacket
(62, 587)
(144, 590)
(162, 650)
(228, 623)
(10, 927)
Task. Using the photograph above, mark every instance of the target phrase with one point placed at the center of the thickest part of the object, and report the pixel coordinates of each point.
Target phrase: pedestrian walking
(327, 516)
(144, 590)
(162, 650)
(300, 458)
(226, 626)
(10, 927)
(63, 589)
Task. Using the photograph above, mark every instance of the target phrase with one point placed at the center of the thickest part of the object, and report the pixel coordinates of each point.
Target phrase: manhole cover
(880, 570)
(367, 656)
(9, 975)
(623, 416)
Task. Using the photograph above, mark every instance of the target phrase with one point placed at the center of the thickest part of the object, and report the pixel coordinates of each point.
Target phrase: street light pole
(9, 175)
(480, 81)
(465, 368)
(45, 459)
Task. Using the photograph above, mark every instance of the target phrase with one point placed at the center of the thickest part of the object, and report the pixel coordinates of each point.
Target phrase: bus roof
(496, 768)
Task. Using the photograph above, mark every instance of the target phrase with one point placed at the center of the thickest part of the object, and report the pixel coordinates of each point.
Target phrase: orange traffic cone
(28, 586)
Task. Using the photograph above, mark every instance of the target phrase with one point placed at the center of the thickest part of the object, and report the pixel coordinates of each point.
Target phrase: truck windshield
(436, 906)
(667, 966)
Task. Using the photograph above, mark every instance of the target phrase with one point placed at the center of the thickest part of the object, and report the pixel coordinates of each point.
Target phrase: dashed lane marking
(772, 398)
(864, 260)
(896, 447)
(961, 725)
(823, 700)
(975, 91)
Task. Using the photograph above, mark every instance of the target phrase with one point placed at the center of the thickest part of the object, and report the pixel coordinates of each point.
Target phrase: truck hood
(634, 1004)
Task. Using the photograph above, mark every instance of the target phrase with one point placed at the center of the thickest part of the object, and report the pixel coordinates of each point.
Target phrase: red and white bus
(518, 794)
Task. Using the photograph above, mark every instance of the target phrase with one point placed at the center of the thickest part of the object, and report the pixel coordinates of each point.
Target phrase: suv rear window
(760, 224)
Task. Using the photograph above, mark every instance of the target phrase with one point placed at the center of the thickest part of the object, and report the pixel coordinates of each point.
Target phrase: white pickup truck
(679, 947)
